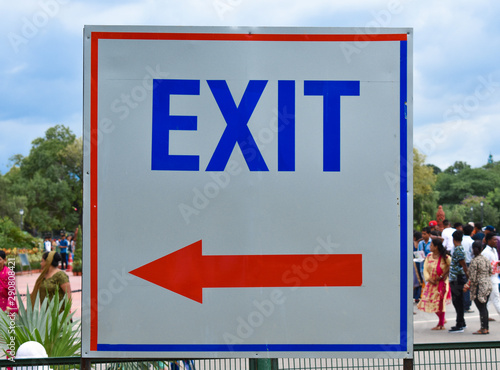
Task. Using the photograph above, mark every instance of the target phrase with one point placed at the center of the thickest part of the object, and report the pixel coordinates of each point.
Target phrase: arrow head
(180, 272)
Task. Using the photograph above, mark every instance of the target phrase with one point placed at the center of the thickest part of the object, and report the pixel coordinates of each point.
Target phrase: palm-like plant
(50, 324)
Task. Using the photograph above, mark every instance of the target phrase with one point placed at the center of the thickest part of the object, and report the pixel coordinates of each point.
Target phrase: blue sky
(456, 60)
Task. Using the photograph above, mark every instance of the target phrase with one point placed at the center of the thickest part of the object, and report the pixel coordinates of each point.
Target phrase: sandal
(438, 327)
(481, 331)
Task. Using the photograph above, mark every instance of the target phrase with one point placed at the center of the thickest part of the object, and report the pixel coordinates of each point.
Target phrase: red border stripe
(250, 37)
(93, 190)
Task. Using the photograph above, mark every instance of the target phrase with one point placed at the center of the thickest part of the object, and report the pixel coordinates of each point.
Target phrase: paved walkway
(27, 279)
(423, 323)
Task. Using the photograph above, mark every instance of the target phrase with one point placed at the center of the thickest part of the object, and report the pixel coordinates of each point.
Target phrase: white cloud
(468, 141)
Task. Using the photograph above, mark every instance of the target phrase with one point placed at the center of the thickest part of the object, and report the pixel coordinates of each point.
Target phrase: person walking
(436, 293)
(480, 285)
(446, 234)
(51, 281)
(491, 253)
(458, 278)
(467, 244)
(63, 244)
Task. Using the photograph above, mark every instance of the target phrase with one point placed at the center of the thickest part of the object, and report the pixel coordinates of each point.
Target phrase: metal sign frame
(100, 289)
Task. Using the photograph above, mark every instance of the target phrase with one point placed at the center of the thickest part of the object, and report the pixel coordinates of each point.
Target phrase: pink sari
(435, 296)
(441, 286)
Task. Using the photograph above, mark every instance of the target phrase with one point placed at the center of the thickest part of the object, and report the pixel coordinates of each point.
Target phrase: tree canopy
(47, 183)
(466, 194)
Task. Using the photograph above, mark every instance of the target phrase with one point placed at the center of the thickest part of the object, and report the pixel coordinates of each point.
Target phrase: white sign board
(247, 193)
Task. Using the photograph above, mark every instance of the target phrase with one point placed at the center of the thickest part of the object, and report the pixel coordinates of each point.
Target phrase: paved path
(423, 323)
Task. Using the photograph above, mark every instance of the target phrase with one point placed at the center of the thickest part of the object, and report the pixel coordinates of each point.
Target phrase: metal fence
(454, 356)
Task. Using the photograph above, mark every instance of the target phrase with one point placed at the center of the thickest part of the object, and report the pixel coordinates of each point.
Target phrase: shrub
(50, 324)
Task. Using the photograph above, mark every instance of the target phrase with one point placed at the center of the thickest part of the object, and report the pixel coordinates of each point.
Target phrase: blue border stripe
(402, 347)
(403, 132)
(250, 347)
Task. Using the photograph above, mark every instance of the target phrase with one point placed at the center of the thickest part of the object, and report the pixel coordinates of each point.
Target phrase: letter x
(237, 131)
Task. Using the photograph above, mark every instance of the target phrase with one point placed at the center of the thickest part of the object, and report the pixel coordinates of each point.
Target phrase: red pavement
(27, 279)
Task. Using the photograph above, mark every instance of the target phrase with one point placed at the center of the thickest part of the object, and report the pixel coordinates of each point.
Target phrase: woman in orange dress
(436, 294)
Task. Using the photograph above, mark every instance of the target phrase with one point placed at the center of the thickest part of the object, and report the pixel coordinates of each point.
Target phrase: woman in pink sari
(7, 286)
(436, 294)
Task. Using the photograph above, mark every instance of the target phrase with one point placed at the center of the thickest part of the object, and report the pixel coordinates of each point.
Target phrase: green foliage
(460, 181)
(47, 183)
(493, 198)
(462, 212)
(424, 195)
(77, 260)
(12, 237)
(50, 324)
(10, 204)
(34, 259)
(435, 169)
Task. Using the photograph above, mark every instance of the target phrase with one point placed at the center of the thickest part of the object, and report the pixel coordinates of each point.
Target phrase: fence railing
(435, 356)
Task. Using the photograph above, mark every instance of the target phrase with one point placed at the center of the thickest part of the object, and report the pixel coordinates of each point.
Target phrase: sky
(456, 60)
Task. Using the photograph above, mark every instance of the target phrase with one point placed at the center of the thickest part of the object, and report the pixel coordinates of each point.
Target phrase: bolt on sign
(247, 192)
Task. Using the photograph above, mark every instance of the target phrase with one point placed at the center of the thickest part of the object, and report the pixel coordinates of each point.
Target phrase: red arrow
(187, 271)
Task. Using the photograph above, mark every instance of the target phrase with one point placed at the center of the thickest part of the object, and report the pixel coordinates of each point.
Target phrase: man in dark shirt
(63, 245)
(458, 277)
(478, 232)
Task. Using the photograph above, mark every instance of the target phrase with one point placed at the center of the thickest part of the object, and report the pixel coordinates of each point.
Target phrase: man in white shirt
(47, 244)
(467, 244)
(491, 253)
(446, 234)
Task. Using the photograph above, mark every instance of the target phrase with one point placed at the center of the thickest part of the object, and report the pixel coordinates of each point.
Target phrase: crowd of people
(64, 245)
(457, 264)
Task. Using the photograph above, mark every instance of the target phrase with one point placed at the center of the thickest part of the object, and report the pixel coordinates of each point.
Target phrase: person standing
(63, 245)
(417, 277)
(7, 286)
(51, 281)
(425, 243)
(458, 278)
(480, 285)
(467, 244)
(436, 293)
(491, 253)
(425, 246)
(433, 225)
(47, 244)
(478, 234)
(446, 234)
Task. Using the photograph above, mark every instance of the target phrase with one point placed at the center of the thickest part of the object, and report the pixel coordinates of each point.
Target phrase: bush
(11, 237)
(50, 324)
(77, 259)
(34, 257)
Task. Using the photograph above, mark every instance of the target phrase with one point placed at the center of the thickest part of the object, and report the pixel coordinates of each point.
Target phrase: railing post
(85, 364)
(408, 364)
(263, 363)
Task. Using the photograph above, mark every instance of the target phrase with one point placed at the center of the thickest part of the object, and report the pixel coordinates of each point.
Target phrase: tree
(457, 168)
(435, 169)
(470, 210)
(460, 181)
(12, 237)
(424, 196)
(50, 179)
(10, 204)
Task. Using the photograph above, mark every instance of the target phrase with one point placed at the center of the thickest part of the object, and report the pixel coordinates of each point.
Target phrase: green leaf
(50, 323)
